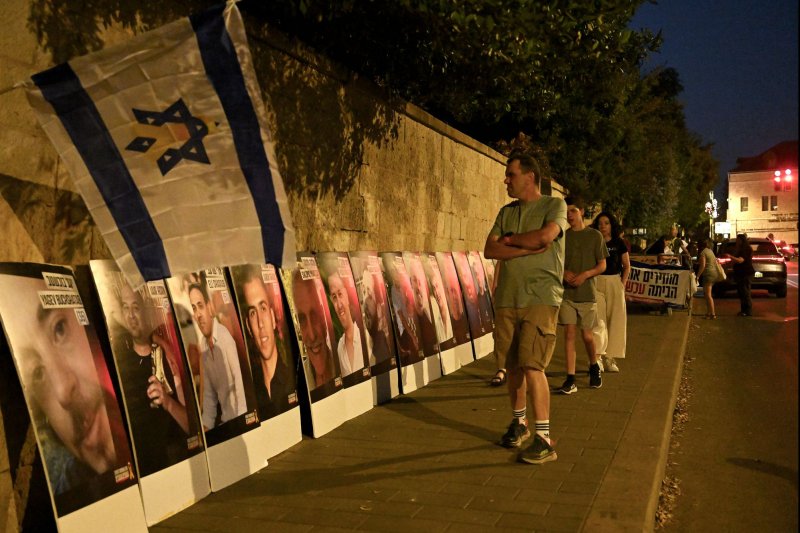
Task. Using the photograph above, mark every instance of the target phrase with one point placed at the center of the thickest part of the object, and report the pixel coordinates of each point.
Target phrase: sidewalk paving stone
(429, 461)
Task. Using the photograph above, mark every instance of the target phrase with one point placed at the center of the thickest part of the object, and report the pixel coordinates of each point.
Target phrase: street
(735, 459)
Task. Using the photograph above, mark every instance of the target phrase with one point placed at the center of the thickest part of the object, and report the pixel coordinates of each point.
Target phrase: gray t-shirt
(585, 248)
(531, 279)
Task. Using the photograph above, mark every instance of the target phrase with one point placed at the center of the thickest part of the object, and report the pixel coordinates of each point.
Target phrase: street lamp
(711, 209)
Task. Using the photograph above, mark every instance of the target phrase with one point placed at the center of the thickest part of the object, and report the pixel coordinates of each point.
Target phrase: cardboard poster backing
(469, 289)
(272, 353)
(166, 453)
(349, 332)
(413, 369)
(440, 310)
(222, 376)
(321, 382)
(53, 344)
(425, 317)
(455, 303)
(373, 300)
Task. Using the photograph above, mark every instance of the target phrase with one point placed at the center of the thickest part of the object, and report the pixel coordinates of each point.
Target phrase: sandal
(499, 378)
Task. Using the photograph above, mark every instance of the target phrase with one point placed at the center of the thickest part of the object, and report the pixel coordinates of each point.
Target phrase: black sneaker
(515, 435)
(567, 388)
(537, 453)
(595, 379)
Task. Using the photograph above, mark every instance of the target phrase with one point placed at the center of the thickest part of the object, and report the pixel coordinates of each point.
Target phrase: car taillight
(771, 258)
(724, 260)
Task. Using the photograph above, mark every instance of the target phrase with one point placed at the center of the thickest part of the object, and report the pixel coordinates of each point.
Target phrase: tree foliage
(566, 73)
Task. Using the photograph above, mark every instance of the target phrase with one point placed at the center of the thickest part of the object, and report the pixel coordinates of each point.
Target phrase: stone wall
(361, 171)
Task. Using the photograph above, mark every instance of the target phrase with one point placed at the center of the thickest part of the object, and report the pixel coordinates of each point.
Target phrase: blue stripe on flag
(225, 73)
(84, 125)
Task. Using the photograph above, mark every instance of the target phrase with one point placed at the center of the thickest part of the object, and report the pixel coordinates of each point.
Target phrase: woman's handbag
(720, 271)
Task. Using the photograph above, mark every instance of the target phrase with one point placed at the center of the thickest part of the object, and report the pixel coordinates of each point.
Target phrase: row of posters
(209, 368)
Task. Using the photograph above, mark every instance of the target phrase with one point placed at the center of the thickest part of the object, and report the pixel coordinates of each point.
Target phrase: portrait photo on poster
(224, 384)
(76, 415)
(372, 297)
(313, 326)
(455, 300)
(157, 389)
(470, 292)
(422, 303)
(348, 322)
(401, 295)
(489, 268)
(483, 292)
(270, 348)
(440, 310)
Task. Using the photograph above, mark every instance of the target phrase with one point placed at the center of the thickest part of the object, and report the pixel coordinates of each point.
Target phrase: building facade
(762, 194)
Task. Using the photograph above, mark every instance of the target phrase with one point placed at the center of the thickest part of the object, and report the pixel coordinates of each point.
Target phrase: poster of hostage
(658, 284)
(68, 389)
(272, 359)
(213, 341)
(156, 387)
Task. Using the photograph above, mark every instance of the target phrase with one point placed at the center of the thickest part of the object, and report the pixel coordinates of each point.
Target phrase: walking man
(528, 237)
(585, 258)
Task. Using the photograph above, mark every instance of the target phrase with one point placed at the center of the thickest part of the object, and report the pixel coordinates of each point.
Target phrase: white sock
(543, 429)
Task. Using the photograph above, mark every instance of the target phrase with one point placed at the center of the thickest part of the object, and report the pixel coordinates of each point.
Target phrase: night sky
(737, 61)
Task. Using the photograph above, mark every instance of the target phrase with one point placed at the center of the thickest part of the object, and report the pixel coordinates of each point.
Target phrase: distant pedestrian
(610, 332)
(660, 248)
(680, 247)
(584, 258)
(707, 275)
(528, 236)
(743, 271)
(499, 377)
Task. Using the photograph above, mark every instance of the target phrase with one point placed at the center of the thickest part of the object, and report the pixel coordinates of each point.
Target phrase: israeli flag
(165, 137)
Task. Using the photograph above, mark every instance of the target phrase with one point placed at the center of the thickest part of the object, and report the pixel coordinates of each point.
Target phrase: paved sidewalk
(429, 461)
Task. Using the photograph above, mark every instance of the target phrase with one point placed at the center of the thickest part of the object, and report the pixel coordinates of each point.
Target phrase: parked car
(768, 262)
(789, 252)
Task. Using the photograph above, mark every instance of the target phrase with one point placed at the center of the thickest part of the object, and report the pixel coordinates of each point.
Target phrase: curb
(629, 492)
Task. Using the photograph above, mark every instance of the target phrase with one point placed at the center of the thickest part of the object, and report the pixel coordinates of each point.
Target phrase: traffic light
(782, 181)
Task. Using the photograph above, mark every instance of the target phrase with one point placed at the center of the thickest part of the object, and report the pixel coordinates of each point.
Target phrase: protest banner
(658, 284)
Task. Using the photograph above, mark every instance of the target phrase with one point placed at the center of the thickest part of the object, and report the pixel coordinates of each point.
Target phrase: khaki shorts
(584, 314)
(526, 337)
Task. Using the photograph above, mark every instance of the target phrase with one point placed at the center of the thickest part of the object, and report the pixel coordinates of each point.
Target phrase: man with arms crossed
(528, 237)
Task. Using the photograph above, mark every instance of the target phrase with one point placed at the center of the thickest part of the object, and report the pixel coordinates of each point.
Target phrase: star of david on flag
(165, 138)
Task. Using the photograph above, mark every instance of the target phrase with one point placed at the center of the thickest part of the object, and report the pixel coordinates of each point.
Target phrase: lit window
(765, 203)
(743, 204)
(773, 203)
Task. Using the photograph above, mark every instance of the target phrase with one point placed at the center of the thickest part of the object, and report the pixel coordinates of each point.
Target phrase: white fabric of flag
(166, 140)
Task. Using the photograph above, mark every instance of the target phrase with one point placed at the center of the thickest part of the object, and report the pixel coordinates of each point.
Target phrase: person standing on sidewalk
(707, 275)
(610, 332)
(743, 271)
(499, 377)
(528, 236)
(585, 258)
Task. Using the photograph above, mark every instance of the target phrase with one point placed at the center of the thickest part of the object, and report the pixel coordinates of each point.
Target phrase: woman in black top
(743, 271)
(611, 330)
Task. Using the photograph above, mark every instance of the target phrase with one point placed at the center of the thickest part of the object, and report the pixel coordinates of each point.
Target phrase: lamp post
(711, 209)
